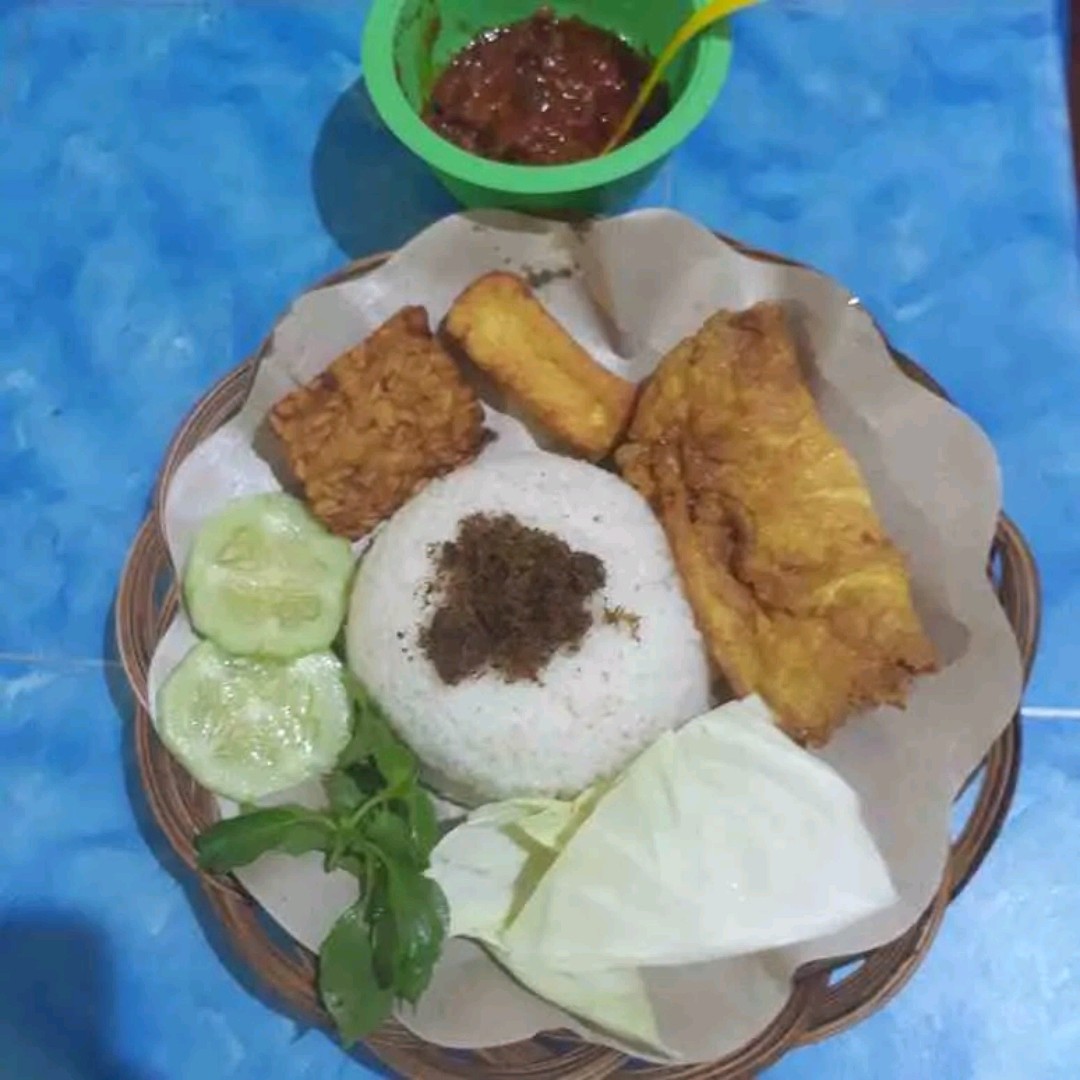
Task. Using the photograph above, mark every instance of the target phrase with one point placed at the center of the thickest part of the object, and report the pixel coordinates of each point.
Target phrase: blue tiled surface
(172, 173)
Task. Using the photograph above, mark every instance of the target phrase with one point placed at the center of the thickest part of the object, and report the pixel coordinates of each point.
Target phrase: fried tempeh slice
(378, 424)
(797, 590)
(511, 337)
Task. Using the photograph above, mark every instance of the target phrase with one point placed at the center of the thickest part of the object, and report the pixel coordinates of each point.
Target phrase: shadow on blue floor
(357, 165)
(56, 1000)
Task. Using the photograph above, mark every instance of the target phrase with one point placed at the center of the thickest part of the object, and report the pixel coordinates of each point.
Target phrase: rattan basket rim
(819, 1006)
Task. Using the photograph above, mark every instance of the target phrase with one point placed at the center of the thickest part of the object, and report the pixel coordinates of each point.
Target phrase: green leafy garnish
(420, 814)
(373, 741)
(350, 989)
(241, 840)
(419, 913)
(380, 826)
(344, 791)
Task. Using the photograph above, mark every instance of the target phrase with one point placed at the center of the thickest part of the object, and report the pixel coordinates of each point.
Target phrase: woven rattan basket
(824, 998)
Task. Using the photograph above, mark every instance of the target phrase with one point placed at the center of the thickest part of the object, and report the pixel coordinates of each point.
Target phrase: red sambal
(543, 91)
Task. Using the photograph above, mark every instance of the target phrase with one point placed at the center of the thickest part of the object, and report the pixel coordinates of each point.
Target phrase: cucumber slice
(247, 728)
(264, 578)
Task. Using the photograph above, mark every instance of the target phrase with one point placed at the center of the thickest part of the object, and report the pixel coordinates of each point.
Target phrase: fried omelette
(378, 424)
(507, 333)
(797, 590)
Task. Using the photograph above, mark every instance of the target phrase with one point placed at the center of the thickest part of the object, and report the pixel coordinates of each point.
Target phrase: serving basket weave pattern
(827, 996)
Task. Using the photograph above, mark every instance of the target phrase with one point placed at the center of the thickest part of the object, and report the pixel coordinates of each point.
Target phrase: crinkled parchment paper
(630, 288)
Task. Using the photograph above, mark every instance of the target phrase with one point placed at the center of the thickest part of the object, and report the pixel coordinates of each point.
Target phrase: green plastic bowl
(407, 42)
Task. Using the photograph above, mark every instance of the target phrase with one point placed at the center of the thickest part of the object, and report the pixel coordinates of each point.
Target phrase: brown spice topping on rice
(508, 598)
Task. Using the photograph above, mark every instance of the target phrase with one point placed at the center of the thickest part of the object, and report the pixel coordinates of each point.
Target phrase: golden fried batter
(797, 590)
(378, 424)
(510, 336)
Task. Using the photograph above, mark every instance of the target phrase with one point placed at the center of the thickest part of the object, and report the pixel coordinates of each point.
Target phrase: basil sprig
(379, 826)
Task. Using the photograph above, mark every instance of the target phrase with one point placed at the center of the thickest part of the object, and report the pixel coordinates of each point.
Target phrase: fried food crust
(378, 424)
(509, 335)
(797, 590)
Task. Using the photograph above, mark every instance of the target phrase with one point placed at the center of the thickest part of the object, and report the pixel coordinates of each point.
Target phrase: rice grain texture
(591, 712)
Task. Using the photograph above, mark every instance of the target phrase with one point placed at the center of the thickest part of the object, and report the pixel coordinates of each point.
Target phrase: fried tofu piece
(378, 424)
(527, 354)
(798, 592)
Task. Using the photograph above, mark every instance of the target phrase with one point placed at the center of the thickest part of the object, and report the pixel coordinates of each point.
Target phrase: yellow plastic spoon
(700, 20)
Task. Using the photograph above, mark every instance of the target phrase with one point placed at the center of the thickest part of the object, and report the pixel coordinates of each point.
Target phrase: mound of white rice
(590, 712)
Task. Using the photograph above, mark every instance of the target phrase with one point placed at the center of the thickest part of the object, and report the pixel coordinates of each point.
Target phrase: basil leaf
(356, 750)
(420, 919)
(355, 865)
(242, 839)
(343, 791)
(366, 714)
(393, 836)
(347, 981)
(395, 761)
(374, 738)
(423, 824)
(383, 936)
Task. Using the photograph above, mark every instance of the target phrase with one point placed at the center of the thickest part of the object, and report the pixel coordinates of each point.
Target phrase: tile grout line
(1029, 712)
(1038, 713)
(32, 660)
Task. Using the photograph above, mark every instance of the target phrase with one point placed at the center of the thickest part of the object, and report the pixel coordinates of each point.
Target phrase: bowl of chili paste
(512, 103)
